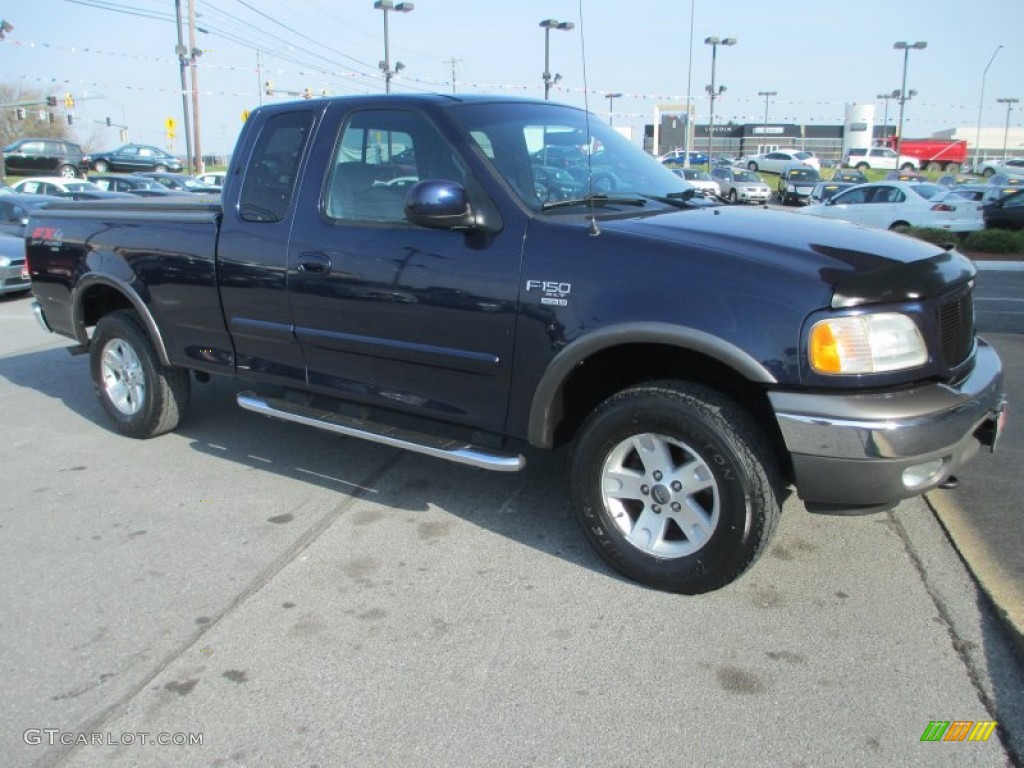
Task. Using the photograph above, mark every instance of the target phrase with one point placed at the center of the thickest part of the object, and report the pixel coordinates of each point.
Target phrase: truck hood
(859, 265)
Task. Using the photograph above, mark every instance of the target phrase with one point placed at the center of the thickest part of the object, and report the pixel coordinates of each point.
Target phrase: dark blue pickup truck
(403, 269)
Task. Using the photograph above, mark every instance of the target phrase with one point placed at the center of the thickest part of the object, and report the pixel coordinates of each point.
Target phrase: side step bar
(441, 448)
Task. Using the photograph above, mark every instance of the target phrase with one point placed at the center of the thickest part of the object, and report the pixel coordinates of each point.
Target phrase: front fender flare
(125, 289)
(544, 410)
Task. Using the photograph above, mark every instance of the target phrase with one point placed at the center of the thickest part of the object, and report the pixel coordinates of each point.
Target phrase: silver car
(739, 186)
(13, 269)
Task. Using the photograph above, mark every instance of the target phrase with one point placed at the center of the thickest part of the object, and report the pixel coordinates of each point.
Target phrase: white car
(212, 179)
(1011, 167)
(780, 160)
(705, 185)
(896, 204)
(49, 185)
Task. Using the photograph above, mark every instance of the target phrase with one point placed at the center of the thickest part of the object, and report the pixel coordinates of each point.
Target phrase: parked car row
(52, 156)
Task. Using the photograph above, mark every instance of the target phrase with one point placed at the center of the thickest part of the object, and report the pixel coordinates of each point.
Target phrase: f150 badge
(552, 291)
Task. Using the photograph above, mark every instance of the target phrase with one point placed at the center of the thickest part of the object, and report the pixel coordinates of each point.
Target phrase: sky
(116, 57)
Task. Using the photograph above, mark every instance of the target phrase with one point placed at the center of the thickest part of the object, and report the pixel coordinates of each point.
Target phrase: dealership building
(828, 142)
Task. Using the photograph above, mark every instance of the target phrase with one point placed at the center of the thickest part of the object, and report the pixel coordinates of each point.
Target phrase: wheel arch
(98, 295)
(604, 362)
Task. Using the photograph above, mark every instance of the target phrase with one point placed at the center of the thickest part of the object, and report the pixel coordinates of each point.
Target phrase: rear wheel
(988, 173)
(143, 397)
(933, 166)
(862, 166)
(101, 165)
(752, 167)
(161, 169)
(899, 226)
(68, 172)
(675, 486)
(907, 167)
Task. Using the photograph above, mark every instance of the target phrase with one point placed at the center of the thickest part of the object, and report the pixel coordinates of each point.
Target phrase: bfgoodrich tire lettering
(143, 397)
(675, 486)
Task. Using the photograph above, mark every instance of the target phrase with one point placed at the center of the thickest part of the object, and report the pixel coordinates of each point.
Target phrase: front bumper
(753, 194)
(861, 452)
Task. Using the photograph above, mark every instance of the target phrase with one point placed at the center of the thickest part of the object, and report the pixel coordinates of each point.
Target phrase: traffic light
(49, 116)
(51, 101)
(269, 87)
(71, 119)
(69, 101)
(20, 112)
(108, 122)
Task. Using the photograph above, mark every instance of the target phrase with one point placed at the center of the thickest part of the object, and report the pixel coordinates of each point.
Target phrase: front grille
(955, 321)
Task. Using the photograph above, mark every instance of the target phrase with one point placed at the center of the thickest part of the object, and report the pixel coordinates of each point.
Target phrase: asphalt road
(295, 598)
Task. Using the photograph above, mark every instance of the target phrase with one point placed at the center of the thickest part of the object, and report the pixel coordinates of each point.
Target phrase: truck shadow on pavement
(531, 507)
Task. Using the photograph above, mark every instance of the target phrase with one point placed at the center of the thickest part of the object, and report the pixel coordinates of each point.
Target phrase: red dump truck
(932, 154)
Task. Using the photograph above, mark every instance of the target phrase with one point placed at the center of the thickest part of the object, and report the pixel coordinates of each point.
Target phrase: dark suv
(46, 157)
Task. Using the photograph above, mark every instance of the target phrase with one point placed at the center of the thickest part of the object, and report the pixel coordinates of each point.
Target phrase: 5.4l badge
(552, 291)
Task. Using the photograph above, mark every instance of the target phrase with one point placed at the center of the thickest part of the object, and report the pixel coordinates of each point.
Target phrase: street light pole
(767, 95)
(885, 120)
(548, 25)
(385, 66)
(714, 42)
(1009, 102)
(905, 47)
(981, 103)
(611, 100)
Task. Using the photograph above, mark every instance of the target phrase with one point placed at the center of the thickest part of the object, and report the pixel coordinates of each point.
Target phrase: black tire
(143, 397)
(161, 169)
(752, 166)
(988, 173)
(934, 167)
(67, 172)
(907, 167)
(899, 226)
(102, 166)
(728, 491)
(862, 167)
(732, 197)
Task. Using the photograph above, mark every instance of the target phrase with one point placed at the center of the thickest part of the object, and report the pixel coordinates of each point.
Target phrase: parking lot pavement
(290, 597)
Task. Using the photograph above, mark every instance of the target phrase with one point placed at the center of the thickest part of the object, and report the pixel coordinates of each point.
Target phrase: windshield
(928, 191)
(747, 176)
(517, 142)
(80, 186)
(803, 174)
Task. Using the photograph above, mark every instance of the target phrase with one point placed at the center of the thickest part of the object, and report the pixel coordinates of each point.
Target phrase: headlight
(5, 261)
(877, 343)
(790, 188)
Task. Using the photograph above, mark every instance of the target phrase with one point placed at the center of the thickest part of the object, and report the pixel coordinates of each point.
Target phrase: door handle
(314, 263)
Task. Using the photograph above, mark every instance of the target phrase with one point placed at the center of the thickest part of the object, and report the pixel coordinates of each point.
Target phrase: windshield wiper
(595, 200)
(676, 199)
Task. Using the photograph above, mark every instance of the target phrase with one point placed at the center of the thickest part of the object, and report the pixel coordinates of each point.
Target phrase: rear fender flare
(545, 408)
(87, 283)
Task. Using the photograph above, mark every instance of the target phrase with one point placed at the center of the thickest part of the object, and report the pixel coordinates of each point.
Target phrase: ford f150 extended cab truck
(396, 268)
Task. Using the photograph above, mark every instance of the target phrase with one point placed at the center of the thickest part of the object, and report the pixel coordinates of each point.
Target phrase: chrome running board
(406, 439)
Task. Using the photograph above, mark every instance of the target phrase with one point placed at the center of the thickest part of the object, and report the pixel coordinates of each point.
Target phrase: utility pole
(454, 61)
(200, 167)
(183, 63)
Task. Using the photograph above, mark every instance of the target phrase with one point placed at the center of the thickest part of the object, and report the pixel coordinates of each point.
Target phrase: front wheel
(752, 167)
(102, 166)
(862, 167)
(141, 395)
(732, 197)
(161, 169)
(675, 486)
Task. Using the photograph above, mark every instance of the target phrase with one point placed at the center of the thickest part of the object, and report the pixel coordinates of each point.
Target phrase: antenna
(594, 229)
